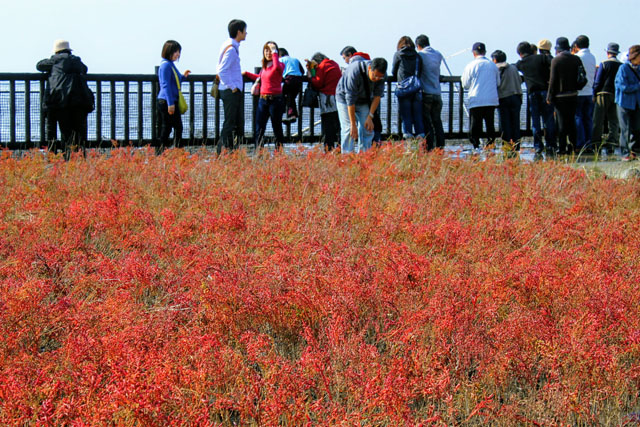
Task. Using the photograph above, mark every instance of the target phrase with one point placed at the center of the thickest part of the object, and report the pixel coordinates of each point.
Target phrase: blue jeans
(365, 137)
(431, 110)
(629, 125)
(584, 122)
(271, 107)
(411, 115)
(540, 110)
(510, 118)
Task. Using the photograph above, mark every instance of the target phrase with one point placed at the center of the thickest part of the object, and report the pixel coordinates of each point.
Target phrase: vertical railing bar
(461, 109)
(389, 107)
(451, 107)
(43, 136)
(126, 112)
(112, 88)
(192, 114)
(139, 116)
(27, 112)
(205, 113)
(12, 111)
(98, 112)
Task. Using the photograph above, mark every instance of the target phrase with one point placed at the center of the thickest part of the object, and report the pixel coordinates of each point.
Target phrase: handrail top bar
(154, 77)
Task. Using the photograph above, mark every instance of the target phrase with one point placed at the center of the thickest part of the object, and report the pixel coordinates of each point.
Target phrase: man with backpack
(68, 99)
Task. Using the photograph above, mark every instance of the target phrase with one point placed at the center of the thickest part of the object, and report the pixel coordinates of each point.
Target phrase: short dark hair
(499, 56)
(524, 48)
(283, 52)
(422, 41)
(348, 51)
(405, 41)
(319, 57)
(170, 47)
(236, 25)
(379, 64)
(582, 42)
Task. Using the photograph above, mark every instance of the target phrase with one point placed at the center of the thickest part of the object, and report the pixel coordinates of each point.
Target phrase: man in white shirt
(481, 79)
(584, 113)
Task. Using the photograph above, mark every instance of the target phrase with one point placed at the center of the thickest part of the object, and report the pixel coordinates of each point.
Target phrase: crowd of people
(570, 99)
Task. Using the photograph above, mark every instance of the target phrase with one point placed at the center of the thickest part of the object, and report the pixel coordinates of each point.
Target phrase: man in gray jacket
(431, 94)
(357, 97)
(510, 99)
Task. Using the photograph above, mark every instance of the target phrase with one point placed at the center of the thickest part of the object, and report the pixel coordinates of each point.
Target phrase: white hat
(59, 45)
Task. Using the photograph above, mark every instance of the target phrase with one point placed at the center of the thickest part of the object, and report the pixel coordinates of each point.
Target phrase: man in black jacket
(563, 93)
(604, 90)
(67, 99)
(536, 68)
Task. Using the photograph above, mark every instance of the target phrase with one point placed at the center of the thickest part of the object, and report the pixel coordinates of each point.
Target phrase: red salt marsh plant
(377, 289)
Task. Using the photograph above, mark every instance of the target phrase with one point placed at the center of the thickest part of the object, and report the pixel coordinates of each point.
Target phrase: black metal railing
(125, 112)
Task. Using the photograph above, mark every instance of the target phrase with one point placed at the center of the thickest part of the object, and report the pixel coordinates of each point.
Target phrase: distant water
(199, 100)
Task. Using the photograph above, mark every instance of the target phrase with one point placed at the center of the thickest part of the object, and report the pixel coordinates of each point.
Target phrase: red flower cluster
(379, 289)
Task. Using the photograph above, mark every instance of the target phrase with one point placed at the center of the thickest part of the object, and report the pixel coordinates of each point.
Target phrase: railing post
(43, 136)
(451, 107)
(12, 111)
(27, 112)
(192, 113)
(112, 89)
(98, 112)
(205, 113)
(140, 119)
(126, 113)
(389, 107)
(461, 108)
(154, 106)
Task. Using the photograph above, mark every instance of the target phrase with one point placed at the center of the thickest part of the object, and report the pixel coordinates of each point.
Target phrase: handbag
(582, 77)
(409, 85)
(182, 103)
(255, 88)
(310, 97)
(215, 89)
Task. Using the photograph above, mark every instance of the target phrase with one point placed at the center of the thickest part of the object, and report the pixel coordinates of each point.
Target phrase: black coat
(535, 69)
(563, 78)
(66, 86)
(404, 63)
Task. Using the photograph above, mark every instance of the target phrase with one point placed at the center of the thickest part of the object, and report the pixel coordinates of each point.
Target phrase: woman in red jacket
(324, 75)
(271, 102)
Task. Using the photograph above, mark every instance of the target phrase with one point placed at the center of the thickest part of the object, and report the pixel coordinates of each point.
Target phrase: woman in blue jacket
(628, 100)
(168, 76)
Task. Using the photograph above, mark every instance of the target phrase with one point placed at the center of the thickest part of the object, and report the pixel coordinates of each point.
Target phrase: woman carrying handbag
(171, 102)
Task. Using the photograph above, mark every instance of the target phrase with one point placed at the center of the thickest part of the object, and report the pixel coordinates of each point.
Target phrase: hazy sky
(126, 36)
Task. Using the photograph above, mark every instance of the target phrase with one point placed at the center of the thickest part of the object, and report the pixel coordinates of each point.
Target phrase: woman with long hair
(271, 103)
(169, 77)
(407, 63)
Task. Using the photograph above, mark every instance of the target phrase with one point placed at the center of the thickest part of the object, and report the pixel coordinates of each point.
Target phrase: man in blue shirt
(231, 85)
(357, 97)
(481, 78)
(431, 95)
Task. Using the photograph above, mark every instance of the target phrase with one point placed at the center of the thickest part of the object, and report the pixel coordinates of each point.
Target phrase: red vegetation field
(382, 289)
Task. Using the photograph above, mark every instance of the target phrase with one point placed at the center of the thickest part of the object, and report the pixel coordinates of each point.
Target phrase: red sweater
(270, 77)
(327, 75)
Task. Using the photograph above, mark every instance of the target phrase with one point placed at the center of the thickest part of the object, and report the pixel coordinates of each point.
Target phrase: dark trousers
(565, 108)
(232, 103)
(476, 117)
(584, 121)
(509, 110)
(629, 130)
(542, 112)
(377, 126)
(330, 123)
(431, 110)
(169, 122)
(291, 88)
(73, 129)
(605, 109)
(269, 107)
(411, 115)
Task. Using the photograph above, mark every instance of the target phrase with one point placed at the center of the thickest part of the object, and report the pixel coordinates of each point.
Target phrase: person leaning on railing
(67, 99)
(324, 75)
(169, 76)
(271, 103)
